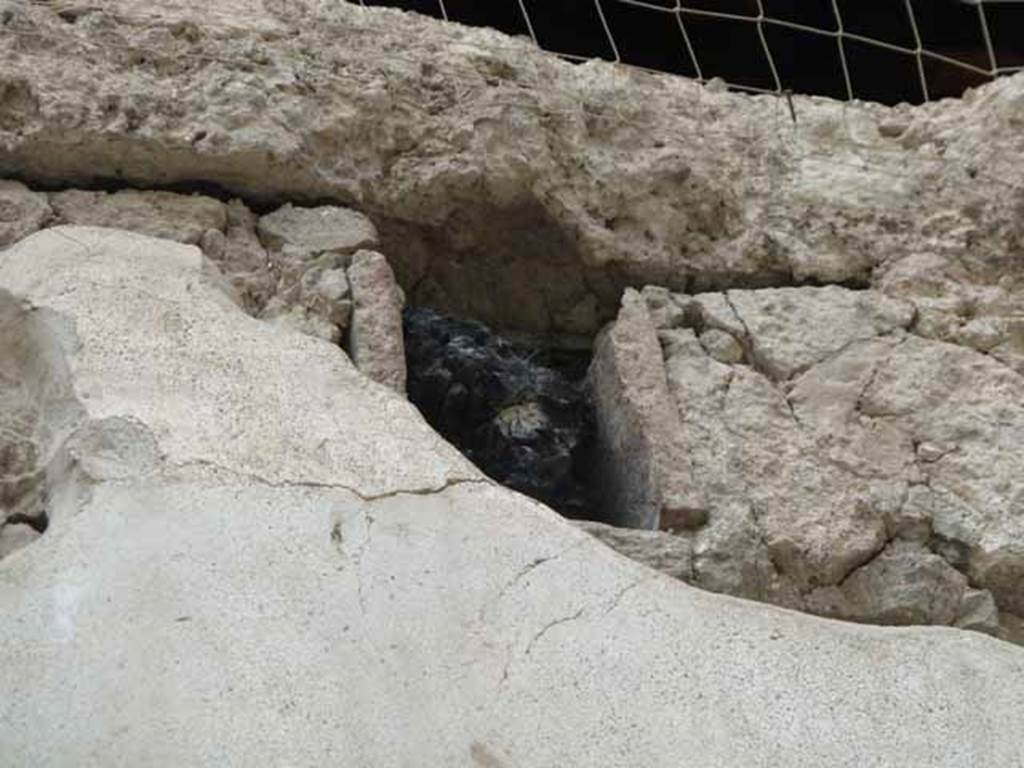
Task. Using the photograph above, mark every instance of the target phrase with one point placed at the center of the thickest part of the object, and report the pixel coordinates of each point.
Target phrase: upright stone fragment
(375, 340)
(239, 254)
(646, 477)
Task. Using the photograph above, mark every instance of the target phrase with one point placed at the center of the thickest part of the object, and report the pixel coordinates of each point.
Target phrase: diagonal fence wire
(759, 133)
(841, 34)
(761, 20)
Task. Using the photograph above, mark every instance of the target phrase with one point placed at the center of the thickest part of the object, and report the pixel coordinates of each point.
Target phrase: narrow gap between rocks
(518, 408)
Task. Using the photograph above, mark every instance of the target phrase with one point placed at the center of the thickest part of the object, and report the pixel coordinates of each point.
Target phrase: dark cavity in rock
(520, 413)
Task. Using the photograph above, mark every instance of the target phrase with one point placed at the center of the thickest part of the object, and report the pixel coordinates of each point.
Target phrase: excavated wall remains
(819, 393)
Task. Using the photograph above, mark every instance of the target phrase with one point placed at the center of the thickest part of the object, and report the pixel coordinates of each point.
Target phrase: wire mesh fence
(899, 50)
(782, 131)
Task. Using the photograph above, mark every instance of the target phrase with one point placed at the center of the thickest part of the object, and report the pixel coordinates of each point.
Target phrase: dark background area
(651, 36)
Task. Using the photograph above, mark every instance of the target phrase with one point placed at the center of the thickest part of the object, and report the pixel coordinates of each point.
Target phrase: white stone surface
(258, 557)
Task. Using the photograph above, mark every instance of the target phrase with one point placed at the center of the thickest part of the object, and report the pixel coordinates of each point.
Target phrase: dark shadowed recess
(649, 34)
(520, 412)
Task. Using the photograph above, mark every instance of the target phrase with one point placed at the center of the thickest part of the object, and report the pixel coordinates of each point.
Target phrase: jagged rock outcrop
(245, 564)
(822, 401)
(849, 467)
(517, 188)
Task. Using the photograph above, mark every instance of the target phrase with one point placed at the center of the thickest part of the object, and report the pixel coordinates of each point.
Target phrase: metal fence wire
(936, 48)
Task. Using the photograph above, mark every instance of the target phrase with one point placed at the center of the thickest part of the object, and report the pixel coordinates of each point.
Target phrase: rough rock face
(814, 427)
(515, 187)
(849, 466)
(821, 403)
(525, 420)
(302, 569)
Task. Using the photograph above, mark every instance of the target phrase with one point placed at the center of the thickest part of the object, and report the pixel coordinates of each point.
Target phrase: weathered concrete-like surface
(257, 555)
(515, 187)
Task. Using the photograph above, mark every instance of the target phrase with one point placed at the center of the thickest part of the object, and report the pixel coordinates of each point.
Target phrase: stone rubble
(287, 267)
(850, 467)
(375, 337)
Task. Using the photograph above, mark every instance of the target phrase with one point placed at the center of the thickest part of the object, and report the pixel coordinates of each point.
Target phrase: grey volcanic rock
(256, 554)
(514, 187)
(521, 414)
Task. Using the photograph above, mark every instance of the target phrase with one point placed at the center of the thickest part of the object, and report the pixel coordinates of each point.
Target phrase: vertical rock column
(647, 479)
(375, 341)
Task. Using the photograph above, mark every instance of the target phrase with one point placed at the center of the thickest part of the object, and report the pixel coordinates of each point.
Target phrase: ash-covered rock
(522, 415)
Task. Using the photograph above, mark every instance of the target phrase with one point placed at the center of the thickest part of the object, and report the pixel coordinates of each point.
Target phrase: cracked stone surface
(549, 186)
(303, 565)
(849, 466)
